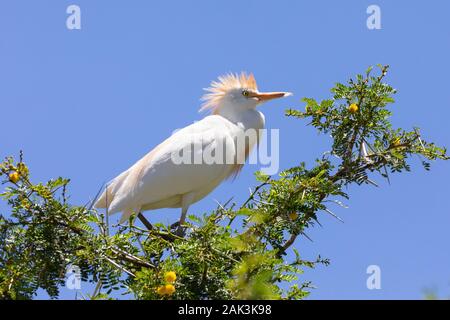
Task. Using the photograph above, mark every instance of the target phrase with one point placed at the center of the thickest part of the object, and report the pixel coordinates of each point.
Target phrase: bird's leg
(146, 223)
(179, 224)
(185, 203)
(181, 231)
(183, 216)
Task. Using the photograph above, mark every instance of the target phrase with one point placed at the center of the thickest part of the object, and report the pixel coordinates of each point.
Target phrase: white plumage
(157, 181)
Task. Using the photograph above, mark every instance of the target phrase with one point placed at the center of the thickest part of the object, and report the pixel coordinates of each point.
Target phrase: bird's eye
(245, 93)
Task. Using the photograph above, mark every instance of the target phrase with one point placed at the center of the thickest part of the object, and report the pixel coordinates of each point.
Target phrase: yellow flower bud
(161, 290)
(169, 289)
(170, 276)
(353, 108)
(22, 168)
(14, 177)
(293, 216)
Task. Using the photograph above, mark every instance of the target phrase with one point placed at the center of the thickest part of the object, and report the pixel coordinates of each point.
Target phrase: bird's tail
(104, 199)
(108, 195)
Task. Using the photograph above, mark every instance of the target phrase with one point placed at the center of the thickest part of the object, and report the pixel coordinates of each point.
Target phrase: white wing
(158, 181)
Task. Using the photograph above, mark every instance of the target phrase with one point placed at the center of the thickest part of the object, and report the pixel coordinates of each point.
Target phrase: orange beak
(266, 96)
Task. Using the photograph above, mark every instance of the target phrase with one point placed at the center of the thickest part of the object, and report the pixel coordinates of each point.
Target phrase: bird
(160, 180)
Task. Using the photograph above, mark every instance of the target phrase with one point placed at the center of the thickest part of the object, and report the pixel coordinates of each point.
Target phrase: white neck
(247, 118)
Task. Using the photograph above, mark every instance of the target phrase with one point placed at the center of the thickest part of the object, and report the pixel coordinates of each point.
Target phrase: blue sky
(86, 104)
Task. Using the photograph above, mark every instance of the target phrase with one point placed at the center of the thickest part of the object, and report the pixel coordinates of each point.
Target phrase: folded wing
(174, 168)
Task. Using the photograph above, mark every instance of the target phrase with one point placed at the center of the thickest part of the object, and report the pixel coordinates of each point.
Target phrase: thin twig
(119, 267)
(107, 211)
(333, 215)
(97, 288)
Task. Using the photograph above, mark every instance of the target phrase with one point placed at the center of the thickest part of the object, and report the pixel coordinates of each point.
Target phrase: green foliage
(234, 252)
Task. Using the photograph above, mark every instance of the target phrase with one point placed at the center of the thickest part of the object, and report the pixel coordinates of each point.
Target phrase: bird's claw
(177, 229)
(175, 225)
(181, 232)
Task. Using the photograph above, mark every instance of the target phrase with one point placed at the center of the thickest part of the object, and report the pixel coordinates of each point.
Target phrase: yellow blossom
(14, 177)
(170, 276)
(353, 108)
(161, 290)
(169, 289)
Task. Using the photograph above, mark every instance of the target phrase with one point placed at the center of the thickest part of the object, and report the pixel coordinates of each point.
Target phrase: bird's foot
(181, 231)
(175, 225)
(178, 229)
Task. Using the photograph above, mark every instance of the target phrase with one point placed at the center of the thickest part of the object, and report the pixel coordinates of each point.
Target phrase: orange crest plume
(219, 88)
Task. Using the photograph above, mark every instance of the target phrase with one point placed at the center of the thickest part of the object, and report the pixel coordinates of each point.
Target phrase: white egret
(157, 181)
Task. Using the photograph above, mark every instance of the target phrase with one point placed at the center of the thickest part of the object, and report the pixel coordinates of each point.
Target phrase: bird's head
(237, 92)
